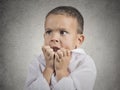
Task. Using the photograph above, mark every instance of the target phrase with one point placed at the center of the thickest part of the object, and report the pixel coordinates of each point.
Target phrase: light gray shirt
(82, 74)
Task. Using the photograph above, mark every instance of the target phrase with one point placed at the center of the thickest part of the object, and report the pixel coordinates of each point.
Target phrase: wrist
(62, 73)
(47, 73)
(50, 70)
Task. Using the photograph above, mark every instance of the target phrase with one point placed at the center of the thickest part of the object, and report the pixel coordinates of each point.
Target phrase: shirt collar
(78, 50)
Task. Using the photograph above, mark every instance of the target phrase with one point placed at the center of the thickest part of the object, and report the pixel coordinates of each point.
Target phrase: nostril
(56, 40)
(53, 40)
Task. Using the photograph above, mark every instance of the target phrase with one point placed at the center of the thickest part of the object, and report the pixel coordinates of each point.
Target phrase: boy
(63, 65)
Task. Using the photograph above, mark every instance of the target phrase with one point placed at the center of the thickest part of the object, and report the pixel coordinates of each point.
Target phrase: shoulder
(83, 60)
(89, 62)
(81, 55)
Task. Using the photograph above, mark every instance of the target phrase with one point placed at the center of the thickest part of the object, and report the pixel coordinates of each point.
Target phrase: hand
(49, 56)
(62, 60)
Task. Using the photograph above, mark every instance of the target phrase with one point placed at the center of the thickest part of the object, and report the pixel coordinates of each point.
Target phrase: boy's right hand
(49, 56)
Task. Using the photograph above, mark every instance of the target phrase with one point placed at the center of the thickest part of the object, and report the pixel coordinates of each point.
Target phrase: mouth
(55, 49)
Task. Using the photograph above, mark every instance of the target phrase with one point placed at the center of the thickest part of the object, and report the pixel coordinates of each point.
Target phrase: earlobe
(81, 38)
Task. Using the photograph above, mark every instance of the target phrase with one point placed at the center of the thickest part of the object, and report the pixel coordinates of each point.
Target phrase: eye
(63, 32)
(48, 31)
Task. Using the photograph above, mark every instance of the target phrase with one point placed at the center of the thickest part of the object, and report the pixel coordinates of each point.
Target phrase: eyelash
(62, 32)
(48, 32)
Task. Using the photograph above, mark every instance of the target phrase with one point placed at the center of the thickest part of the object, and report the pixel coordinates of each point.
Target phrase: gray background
(21, 29)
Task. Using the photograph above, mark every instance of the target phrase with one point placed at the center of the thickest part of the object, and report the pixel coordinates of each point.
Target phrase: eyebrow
(57, 29)
(48, 29)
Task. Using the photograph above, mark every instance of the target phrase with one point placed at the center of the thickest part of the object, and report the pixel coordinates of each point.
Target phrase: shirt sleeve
(65, 83)
(82, 78)
(85, 75)
(35, 79)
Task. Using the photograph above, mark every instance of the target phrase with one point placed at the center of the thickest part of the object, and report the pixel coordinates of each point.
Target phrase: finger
(68, 53)
(51, 56)
(48, 52)
(47, 49)
(63, 51)
(57, 59)
(44, 48)
(60, 54)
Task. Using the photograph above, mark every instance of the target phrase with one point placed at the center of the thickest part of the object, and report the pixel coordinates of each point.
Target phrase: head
(64, 28)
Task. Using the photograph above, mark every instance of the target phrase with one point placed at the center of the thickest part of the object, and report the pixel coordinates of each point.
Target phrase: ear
(80, 39)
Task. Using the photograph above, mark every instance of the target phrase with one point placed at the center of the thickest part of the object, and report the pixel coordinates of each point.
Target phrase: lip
(55, 49)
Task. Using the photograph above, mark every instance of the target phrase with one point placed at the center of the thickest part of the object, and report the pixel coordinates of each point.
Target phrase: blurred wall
(21, 38)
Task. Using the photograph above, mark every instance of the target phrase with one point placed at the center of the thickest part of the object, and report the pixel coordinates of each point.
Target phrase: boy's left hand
(62, 60)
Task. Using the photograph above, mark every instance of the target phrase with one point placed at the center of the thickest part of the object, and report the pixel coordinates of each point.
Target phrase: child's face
(61, 32)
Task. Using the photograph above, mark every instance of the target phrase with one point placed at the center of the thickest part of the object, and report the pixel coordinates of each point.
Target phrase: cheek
(46, 41)
(68, 43)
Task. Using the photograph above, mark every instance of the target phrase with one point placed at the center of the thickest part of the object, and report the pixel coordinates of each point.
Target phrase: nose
(55, 37)
(54, 40)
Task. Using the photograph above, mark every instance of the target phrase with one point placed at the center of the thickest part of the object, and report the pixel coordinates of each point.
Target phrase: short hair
(69, 11)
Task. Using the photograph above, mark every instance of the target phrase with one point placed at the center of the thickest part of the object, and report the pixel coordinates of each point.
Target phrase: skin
(59, 39)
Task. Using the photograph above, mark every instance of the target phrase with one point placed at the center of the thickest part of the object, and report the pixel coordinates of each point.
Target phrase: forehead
(63, 21)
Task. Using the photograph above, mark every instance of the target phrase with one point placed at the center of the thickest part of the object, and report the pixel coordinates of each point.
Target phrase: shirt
(82, 74)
